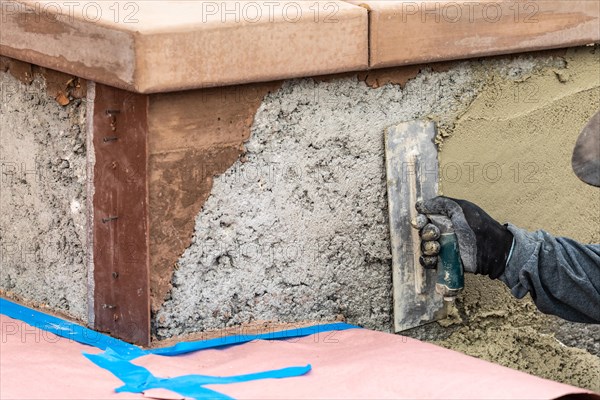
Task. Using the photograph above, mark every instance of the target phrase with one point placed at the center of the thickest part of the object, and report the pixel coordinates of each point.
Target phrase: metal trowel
(412, 174)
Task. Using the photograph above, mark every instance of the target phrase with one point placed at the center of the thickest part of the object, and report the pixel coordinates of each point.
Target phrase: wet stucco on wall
(42, 194)
(296, 230)
(511, 154)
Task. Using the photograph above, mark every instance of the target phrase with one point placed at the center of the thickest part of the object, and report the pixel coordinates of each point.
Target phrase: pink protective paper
(356, 363)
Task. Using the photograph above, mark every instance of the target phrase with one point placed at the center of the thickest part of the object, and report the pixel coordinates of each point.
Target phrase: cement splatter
(42, 198)
(298, 230)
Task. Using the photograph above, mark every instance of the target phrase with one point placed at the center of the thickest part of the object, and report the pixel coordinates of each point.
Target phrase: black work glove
(484, 244)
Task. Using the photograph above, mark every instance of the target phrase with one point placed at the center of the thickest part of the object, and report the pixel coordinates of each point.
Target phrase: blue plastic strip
(188, 347)
(69, 330)
(117, 355)
(78, 333)
(137, 379)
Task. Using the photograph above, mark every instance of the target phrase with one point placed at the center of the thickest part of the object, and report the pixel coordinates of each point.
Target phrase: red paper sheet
(352, 364)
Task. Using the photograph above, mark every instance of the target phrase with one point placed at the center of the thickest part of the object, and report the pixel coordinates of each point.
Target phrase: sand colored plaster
(517, 137)
(511, 151)
(310, 242)
(492, 325)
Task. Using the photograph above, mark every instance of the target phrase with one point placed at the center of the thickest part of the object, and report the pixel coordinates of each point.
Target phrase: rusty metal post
(120, 214)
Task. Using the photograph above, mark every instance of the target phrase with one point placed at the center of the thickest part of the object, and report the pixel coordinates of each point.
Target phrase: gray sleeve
(562, 275)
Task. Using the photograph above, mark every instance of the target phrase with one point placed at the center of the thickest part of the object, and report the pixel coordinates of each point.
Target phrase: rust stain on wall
(62, 87)
(20, 70)
(397, 75)
(400, 75)
(193, 136)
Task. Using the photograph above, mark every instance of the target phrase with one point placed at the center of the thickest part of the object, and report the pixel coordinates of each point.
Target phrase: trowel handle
(450, 276)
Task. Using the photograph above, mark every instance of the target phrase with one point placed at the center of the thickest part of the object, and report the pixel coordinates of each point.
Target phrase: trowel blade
(412, 174)
(586, 156)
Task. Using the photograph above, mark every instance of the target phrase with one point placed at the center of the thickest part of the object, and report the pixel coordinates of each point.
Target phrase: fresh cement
(297, 229)
(510, 153)
(42, 198)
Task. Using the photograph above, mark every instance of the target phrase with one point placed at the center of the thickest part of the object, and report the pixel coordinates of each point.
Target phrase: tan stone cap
(412, 32)
(160, 46)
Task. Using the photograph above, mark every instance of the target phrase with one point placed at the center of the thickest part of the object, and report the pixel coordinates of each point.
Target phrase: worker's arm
(562, 276)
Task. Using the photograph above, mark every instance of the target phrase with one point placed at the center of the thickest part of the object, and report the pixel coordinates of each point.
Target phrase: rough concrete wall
(42, 196)
(297, 229)
(192, 137)
(511, 153)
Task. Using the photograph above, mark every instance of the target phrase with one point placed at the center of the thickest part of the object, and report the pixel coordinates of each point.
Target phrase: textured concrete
(42, 198)
(511, 154)
(192, 137)
(297, 230)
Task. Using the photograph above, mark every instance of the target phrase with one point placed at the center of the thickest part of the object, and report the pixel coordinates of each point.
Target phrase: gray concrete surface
(42, 198)
(583, 336)
(298, 230)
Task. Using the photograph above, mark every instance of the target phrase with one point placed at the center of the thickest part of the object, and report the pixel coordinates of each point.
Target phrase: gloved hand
(484, 244)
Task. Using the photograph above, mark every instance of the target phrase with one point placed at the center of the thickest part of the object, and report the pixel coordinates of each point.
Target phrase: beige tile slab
(159, 46)
(411, 32)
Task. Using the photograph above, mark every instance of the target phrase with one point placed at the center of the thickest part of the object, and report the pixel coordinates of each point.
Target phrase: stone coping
(156, 46)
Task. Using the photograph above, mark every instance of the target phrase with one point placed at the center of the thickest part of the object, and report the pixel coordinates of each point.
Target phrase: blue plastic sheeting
(69, 330)
(187, 347)
(138, 379)
(118, 354)
(80, 334)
